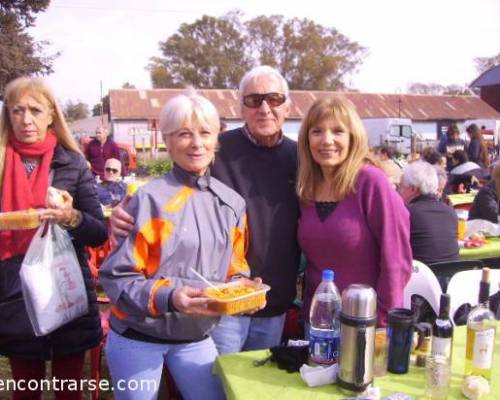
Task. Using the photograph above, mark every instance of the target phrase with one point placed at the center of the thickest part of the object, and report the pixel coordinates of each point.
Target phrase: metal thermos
(357, 337)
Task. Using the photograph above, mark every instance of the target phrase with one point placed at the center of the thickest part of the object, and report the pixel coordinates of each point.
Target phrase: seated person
(438, 160)
(111, 190)
(485, 205)
(390, 167)
(464, 171)
(433, 224)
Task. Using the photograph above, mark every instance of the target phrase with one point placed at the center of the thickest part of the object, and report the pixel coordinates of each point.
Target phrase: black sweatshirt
(265, 178)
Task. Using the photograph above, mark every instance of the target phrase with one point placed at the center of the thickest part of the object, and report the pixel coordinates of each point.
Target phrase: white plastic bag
(483, 226)
(51, 280)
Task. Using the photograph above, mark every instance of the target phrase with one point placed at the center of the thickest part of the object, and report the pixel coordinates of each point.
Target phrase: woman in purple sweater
(352, 220)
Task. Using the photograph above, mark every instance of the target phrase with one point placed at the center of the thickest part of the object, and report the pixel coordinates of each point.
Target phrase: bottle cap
(328, 275)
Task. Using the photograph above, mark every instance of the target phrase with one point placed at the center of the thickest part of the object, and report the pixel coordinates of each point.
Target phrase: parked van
(394, 132)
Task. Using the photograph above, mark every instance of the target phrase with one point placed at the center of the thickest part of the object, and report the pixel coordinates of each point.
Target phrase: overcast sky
(408, 41)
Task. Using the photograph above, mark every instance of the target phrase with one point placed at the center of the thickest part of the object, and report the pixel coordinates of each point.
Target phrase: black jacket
(433, 230)
(485, 205)
(71, 173)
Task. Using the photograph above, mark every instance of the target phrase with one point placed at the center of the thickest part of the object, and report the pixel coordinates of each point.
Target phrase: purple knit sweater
(365, 240)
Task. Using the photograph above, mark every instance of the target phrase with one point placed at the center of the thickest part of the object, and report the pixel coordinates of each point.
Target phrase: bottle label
(324, 346)
(441, 347)
(483, 348)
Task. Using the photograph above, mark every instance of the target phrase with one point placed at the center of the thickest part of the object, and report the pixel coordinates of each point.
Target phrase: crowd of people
(244, 204)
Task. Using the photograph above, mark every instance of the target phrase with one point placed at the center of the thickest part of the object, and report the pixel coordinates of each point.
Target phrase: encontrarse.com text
(57, 385)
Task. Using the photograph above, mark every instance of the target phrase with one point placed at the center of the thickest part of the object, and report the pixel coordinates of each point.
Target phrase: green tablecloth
(491, 249)
(461, 198)
(244, 381)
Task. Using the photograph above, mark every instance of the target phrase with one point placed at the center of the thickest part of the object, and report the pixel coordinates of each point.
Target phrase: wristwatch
(76, 219)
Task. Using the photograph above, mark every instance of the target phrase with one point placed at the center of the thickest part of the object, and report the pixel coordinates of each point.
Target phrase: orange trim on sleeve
(239, 239)
(178, 201)
(148, 244)
(162, 282)
(121, 315)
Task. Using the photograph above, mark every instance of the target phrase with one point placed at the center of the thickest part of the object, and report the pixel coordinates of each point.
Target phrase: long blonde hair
(343, 181)
(475, 134)
(39, 90)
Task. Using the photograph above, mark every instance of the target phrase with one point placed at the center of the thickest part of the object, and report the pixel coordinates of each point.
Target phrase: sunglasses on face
(255, 100)
(111, 170)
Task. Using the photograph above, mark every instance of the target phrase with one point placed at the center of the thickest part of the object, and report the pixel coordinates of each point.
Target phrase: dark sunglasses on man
(255, 100)
(111, 170)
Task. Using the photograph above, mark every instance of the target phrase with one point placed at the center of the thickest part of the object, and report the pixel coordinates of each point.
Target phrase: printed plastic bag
(51, 280)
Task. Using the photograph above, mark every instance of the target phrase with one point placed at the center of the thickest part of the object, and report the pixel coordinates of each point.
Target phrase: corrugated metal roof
(146, 104)
(89, 125)
(488, 78)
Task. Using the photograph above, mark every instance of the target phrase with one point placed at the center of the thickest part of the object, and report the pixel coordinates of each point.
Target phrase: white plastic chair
(464, 288)
(424, 283)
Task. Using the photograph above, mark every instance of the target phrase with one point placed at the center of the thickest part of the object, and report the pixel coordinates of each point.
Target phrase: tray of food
(236, 297)
(25, 219)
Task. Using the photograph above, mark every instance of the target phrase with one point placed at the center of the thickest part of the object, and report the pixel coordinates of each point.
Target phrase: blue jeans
(136, 368)
(243, 333)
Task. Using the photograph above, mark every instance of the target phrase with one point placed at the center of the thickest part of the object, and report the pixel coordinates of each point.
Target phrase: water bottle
(324, 333)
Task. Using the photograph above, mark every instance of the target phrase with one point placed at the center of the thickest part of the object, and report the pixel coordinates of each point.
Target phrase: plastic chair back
(446, 269)
(424, 283)
(464, 288)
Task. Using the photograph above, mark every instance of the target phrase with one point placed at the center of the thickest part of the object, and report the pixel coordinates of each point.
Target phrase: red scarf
(20, 192)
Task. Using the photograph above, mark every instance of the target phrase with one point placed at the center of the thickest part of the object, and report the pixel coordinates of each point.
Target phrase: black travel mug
(400, 337)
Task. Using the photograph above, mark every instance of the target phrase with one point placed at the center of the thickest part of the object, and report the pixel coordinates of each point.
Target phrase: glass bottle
(442, 330)
(481, 331)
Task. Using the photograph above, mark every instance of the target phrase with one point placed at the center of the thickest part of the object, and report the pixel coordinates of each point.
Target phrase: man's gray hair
(257, 72)
(421, 175)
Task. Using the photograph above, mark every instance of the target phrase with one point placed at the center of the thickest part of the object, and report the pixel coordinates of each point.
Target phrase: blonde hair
(188, 109)
(39, 90)
(343, 181)
(495, 176)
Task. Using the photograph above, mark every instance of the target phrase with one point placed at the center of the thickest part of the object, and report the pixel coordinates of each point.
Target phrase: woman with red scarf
(36, 147)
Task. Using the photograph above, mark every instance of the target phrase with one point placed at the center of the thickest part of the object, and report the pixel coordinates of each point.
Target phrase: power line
(82, 6)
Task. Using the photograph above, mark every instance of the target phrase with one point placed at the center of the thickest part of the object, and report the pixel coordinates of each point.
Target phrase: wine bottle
(481, 331)
(442, 330)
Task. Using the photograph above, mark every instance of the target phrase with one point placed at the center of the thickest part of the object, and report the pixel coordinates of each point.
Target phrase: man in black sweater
(260, 163)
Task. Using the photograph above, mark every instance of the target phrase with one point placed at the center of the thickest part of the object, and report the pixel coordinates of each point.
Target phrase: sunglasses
(272, 99)
(111, 170)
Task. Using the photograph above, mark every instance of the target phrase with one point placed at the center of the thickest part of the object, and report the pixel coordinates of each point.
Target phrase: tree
(209, 53)
(73, 111)
(216, 52)
(102, 107)
(19, 53)
(485, 63)
(310, 56)
(23, 9)
(128, 85)
(435, 89)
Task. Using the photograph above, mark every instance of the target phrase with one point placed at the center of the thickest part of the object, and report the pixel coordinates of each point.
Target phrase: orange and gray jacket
(181, 222)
